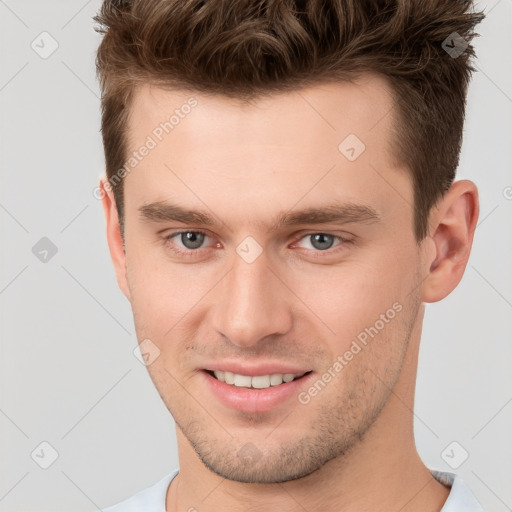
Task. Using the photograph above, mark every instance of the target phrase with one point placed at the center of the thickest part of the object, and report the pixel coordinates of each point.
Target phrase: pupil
(192, 240)
(320, 238)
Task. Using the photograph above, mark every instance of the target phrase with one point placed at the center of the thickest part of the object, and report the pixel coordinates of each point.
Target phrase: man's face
(255, 297)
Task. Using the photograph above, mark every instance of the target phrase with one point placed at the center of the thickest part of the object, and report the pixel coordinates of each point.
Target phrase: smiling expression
(261, 240)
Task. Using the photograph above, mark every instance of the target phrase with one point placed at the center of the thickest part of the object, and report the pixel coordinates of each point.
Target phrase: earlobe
(114, 238)
(452, 228)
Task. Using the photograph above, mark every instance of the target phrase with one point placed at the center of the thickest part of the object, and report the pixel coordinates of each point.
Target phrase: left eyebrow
(335, 213)
(163, 211)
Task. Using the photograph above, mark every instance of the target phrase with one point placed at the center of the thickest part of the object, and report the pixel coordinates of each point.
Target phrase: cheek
(358, 290)
(346, 297)
(167, 299)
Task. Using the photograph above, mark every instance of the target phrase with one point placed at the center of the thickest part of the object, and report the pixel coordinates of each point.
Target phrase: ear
(452, 225)
(114, 238)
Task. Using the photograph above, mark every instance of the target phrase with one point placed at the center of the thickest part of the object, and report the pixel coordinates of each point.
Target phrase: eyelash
(317, 253)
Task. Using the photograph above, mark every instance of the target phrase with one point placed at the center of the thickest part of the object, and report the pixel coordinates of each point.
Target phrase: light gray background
(68, 373)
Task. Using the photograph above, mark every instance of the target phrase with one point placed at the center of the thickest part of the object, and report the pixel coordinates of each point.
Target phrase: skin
(351, 447)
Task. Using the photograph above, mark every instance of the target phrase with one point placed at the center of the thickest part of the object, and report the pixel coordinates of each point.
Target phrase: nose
(252, 303)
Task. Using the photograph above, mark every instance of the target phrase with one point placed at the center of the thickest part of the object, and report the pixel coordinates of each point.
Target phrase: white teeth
(276, 379)
(261, 381)
(242, 381)
(257, 382)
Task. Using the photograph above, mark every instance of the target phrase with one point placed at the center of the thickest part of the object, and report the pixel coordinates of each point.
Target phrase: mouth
(263, 391)
(255, 381)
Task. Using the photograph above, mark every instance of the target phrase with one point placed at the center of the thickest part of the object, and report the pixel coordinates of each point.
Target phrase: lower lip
(254, 400)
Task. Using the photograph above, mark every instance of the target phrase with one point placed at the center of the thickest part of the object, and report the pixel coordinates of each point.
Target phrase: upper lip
(255, 369)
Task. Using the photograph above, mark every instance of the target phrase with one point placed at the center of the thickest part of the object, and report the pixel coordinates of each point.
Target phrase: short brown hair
(244, 49)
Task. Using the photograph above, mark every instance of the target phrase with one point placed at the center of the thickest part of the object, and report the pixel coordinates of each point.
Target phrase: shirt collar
(460, 499)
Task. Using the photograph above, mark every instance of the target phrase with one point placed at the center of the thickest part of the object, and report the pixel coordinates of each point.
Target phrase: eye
(191, 241)
(321, 242)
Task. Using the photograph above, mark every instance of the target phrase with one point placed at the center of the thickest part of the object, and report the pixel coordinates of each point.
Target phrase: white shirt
(152, 498)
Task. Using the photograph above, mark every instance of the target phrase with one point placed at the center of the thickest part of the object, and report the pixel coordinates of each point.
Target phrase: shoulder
(150, 499)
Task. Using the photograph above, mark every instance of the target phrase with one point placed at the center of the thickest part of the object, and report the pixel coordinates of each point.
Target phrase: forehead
(362, 105)
(279, 147)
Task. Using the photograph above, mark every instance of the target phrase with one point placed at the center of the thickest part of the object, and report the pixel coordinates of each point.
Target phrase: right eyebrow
(162, 211)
